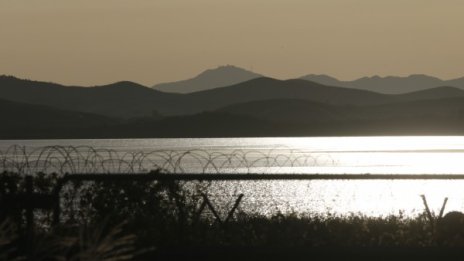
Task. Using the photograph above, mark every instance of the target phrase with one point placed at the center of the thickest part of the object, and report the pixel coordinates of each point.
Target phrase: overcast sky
(91, 42)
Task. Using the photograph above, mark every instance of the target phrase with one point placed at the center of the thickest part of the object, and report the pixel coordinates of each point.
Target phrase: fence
(72, 165)
(83, 159)
(81, 164)
(30, 200)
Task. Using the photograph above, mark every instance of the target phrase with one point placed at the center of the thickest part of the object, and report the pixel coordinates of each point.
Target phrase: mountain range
(126, 100)
(229, 75)
(268, 118)
(119, 100)
(389, 84)
(213, 78)
(258, 107)
(22, 120)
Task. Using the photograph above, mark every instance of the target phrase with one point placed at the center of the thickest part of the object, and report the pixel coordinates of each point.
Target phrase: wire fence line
(82, 169)
(86, 159)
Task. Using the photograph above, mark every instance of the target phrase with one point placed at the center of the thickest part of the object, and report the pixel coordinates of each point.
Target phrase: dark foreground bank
(311, 253)
(134, 220)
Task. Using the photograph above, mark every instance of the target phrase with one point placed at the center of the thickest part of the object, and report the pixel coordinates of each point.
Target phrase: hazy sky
(91, 42)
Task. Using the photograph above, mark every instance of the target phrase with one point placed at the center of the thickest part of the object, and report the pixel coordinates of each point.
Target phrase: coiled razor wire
(86, 159)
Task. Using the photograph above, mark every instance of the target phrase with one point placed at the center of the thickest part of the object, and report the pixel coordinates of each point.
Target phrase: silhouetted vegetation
(131, 220)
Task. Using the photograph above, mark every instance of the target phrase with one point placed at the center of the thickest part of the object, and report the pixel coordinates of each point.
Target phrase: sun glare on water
(322, 155)
(381, 155)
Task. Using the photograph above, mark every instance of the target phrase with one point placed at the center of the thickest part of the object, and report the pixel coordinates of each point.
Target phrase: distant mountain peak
(420, 75)
(424, 76)
(4, 76)
(226, 71)
(321, 79)
(226, 68)
(124, 84)
(320, 76)
(221, 76)
(416, 76)
(388, 84)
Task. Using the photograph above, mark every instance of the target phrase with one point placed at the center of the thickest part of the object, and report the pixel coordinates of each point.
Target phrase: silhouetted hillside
(209, 79)
(253, 119)
(207, 124)
(20, 120)
(440, 116)
(129, 100)
(458, 82)
(324, 80)
(290, 111)
(21, 114)
(451, 109)
(389, 84)
(122, 99)
(230, 75)
(432, 94)
(269, 89)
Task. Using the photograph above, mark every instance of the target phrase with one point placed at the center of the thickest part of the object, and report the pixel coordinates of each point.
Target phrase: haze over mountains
(389, 84)
(229, 75)
(258, 107)
(130, 100)
(209, 79)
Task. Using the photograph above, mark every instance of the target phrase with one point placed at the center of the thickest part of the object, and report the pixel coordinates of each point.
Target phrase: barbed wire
(86, 159)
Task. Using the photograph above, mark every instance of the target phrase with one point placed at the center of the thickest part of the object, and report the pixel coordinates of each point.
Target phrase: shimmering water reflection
(334, 155)
(367, 197)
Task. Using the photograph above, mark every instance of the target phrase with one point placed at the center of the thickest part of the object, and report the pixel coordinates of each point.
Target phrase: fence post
(211, 208)
(206, 202)
(56, 194)
(29, 210)
(231, 212)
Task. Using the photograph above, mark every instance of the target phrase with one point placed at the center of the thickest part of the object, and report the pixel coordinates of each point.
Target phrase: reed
(122, 220)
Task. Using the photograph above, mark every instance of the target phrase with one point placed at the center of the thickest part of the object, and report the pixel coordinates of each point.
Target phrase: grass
(130, 220)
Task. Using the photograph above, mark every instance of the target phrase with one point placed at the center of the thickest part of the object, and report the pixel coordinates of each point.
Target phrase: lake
(328, 155)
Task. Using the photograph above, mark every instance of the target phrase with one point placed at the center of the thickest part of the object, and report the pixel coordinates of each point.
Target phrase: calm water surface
(337, 155)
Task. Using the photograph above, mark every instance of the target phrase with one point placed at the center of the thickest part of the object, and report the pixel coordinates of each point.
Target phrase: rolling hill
(270, 89)
(281, 117)
(228, 75)
(22, 114)
(389, 84)
(121, 99)
(128, 100)
(20, 120)
(294, 110)
(289, 111)
(209, 79)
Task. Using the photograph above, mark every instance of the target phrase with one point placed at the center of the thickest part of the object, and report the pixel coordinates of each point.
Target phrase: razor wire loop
(85, 159)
